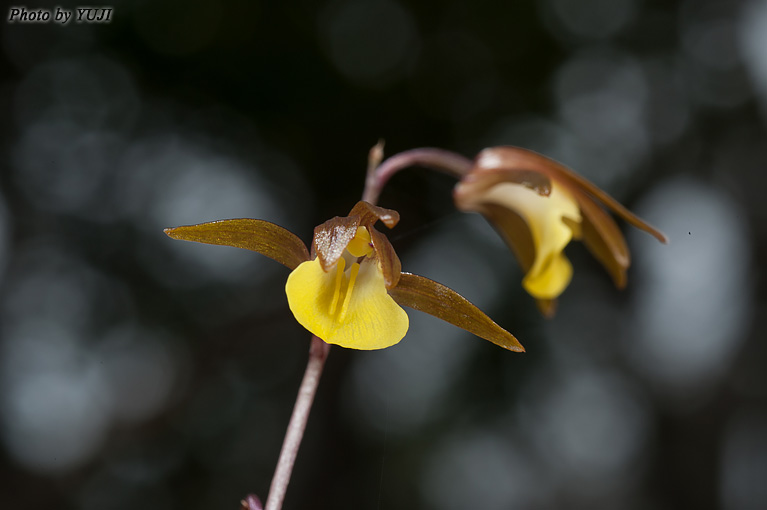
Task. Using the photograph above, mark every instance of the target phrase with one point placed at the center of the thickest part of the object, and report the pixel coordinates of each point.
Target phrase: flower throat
(359, 247)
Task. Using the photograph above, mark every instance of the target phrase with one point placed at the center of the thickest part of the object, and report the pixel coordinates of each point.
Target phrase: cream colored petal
(550, 272)
(365, 316)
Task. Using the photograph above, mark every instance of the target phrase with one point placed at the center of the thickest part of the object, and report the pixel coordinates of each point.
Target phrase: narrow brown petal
(603, 238)
(369, 214)
(390, 263)
(435, 299)
(599, 248)
(513, 230)
(518, 158)
(256, 235)
(332, 237)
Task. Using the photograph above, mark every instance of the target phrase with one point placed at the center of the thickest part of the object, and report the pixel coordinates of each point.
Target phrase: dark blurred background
(137, 372)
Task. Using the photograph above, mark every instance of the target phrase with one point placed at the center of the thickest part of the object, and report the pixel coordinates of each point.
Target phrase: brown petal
(369, 214)
(435, 299)
(332, 237)
(518, 158)
(603, 238)
(514, 231)
(256, 235)
(390, 263)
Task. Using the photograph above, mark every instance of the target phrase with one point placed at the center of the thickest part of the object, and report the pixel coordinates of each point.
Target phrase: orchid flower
(350, 290)
(539, 206)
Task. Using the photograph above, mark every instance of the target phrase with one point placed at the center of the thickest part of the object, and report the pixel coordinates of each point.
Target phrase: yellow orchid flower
(539, 206)
(349, 292)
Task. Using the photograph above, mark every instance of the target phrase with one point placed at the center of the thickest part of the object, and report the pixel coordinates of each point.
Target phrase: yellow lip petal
(364, 315)
(550, 272)
(551, 280)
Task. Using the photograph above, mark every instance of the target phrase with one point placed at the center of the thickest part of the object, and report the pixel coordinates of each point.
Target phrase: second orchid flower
(538, 206)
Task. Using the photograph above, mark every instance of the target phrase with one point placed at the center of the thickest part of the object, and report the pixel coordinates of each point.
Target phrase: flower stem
(318, 353)
(435, 159)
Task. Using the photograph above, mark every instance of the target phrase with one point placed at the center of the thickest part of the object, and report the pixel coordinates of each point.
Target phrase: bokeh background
(141, 372)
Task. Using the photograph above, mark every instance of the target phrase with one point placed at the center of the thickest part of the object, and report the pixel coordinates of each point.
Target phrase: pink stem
(318, 353)
(435, 159)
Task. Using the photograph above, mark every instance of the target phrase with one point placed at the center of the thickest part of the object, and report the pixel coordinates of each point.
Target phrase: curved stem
(435, 159)
(318, 353)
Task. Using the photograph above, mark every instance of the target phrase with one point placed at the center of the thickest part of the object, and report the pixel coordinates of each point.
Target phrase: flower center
(359, 247)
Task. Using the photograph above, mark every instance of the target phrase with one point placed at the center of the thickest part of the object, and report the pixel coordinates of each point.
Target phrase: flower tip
(515, 347)
(390, 218)
(657, 234)
(547, 307)
(179, 233)
(506, 340)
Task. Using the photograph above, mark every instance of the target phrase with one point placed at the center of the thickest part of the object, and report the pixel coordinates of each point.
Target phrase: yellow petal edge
(351, 310)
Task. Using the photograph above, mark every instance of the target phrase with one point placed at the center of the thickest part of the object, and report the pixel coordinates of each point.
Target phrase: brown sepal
(260, 236)
(444, 303)
(369, 214)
